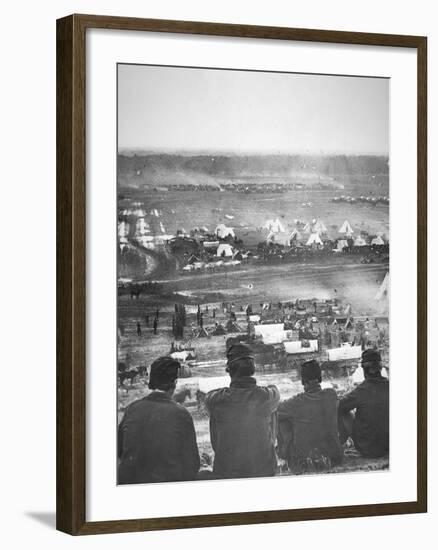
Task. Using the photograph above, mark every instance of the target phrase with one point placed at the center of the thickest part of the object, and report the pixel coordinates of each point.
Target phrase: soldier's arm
(212, 398)
(274, 397)
(190, 453)
(350, 401)
(286, 408)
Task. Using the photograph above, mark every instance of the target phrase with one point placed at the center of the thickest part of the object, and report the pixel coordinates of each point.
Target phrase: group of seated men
(250, 427)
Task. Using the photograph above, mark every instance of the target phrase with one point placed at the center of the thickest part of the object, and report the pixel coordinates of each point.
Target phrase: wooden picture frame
(71, 273)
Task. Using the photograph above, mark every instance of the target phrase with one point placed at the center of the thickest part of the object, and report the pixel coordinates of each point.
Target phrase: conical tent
(202, 333)
(224, 250)
(378, 241)
(307, 228)
(320, 227)
(342, 243)
(294, 235)
(360, 241)
(346, 228)
(314, 239)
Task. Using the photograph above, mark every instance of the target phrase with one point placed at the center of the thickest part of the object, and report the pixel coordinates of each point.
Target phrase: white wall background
(27, 299)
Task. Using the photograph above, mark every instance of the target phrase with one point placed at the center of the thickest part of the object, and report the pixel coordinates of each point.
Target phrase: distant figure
(138, 329)
(214, 313)
(308, 425)
(156, 438)
(155, 325)
(243, 420)
(146, 319)
(369, 426)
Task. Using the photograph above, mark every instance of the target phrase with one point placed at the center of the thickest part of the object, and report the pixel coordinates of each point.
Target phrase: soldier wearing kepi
(156, 438)
(243, 421)
(308, 425)
(369, 426)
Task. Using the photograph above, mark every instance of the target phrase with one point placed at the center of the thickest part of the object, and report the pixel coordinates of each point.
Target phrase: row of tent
(286, 239)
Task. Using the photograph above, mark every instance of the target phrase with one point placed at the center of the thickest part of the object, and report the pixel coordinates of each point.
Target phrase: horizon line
(225, 152)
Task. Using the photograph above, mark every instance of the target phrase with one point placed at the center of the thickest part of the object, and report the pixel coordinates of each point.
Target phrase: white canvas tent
(344, 352)
(360, 241)
(342, 243)
(346, 228)
(378, 241)
(297, 346)
(314, 239)
(320, 227)
(294, 235)
(307, 228)
(223, 231)
(224, 250)
(272, 333)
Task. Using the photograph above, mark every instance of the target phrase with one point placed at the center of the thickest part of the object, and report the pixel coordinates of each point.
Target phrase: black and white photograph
(253, 248)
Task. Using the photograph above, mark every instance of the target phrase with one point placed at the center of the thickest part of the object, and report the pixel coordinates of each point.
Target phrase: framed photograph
(241, 288)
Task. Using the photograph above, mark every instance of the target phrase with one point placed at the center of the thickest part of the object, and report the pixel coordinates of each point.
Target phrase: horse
(127, 375)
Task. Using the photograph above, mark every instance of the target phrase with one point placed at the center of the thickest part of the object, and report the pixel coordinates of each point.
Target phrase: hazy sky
(180, 109)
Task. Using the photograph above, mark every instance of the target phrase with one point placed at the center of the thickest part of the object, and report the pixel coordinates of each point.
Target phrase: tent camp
(377, 241)
(301, 346)
(224, 250)
(314, 239)
(274, 226)
(346, 228)
(360, 241)
(222, 231)
(383, 289)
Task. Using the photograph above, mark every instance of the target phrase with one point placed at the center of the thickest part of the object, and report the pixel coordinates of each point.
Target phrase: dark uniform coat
(308, 425)
(243, 428)
(371, 424)
(157, 442)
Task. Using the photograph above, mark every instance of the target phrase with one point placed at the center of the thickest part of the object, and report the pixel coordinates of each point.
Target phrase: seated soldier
(243, 420)
(156, 438)
(308, 425)
(369, 426)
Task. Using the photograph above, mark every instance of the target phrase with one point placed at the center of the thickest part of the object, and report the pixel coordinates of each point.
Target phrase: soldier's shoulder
(329, 392)
(270, 391)
(181, 411)
(217, 393)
